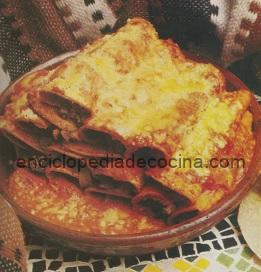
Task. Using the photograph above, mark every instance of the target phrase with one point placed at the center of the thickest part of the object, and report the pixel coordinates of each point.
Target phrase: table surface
(220, 249)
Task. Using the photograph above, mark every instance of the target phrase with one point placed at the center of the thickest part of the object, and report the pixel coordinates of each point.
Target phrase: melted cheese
(204, 139)
(213, 125)
(132, 83)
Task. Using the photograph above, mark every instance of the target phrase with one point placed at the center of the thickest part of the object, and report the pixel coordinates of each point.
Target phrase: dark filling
(182, 217)
(66, 109)
(44, 136)
(119, 187)
(155, 208)
(33, 129)
(146, 154)
(103, 140)
(177, 199)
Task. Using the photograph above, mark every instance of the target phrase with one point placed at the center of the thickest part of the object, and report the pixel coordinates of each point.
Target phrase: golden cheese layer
(221, 128)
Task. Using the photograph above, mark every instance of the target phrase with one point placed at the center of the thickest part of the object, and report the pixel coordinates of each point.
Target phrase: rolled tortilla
(70, 174)
(59, 202)
(125, 89)
(182, 214)
(91, 150)
(120, 182)
(19, 136)
(223, 130)
(19, 123)
(158, 201)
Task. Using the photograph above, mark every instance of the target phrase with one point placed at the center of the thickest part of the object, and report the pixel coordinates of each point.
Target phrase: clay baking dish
(145, 242)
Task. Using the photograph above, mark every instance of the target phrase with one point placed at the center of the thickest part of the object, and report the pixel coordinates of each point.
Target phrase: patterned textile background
(33, 31)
